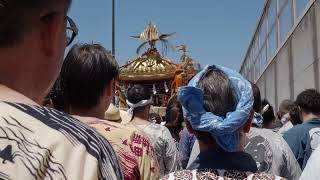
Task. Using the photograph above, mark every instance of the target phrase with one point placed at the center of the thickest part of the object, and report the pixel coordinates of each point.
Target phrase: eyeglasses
(71, 30)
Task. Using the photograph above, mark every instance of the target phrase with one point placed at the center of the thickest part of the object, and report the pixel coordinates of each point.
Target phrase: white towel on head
(139, 104)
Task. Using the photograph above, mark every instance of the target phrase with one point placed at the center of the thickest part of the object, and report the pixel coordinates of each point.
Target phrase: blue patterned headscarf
(225, 130)
(257, 120)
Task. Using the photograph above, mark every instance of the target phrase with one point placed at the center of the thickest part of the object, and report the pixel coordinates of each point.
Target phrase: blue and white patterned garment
(185, 146)
(224, 130)
(164, 146)
(42, 143)
(257, 120)
(311, 171)
(303, 139)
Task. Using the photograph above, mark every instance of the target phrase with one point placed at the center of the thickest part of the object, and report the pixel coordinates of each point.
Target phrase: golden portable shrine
(153, 70)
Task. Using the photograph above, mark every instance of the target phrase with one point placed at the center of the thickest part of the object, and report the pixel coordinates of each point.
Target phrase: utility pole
(113, 40)
(113, 29)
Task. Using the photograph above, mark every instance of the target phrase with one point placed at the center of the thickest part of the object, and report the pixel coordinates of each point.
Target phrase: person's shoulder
(119, 133)
(295, 129)
(311, 170)
(164, 129)
(165, 133)
(267, 133)
(259, 134)
(277, 140)
(47, 126)
(217, 174)
(158, 128)
(184, 133)
(113, 131)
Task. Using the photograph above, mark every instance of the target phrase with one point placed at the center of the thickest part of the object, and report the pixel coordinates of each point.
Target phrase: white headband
(139, 104)
(265, 109)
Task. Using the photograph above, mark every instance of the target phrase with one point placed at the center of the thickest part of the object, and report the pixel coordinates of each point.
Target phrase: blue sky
(216, 31)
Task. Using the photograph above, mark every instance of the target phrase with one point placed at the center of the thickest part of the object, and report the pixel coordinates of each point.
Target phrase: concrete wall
(296, 66)
(317, 10)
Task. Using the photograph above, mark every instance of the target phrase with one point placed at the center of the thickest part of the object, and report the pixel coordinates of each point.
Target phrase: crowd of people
(58, 120)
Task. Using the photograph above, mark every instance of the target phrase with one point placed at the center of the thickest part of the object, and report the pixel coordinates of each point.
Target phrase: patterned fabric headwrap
(225, 130)
(257, 120)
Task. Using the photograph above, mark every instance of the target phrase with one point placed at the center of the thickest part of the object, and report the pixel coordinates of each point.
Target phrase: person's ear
(52, 30)
(248, 124)
(302, 115)
(109, 90)
(189, 127)
(279, 115)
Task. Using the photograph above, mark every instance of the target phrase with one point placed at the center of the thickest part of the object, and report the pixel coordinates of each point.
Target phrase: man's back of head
(88, 78)
(285, 107)
(218, 108)
(309, 103)
(219, 97)
(220, 92)
(268, 114)
(257, 98)
(32, 43)
(17, 17)
(303, 139)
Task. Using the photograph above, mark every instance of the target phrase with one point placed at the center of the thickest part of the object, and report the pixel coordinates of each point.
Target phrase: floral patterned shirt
(165, 148)
(135, 152)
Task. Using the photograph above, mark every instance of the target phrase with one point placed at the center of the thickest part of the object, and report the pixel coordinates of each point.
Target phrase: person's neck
(17, 74)
(213, 146)
(311, 116)
(143, 114)
(141, 117)
(205, 146)
(96, 112)
(9, 95)
(25, 87)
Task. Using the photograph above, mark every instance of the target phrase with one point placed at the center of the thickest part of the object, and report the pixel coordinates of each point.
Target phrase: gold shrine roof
(150, 66)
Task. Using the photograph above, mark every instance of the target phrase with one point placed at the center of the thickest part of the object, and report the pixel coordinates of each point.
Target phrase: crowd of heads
(89, 74)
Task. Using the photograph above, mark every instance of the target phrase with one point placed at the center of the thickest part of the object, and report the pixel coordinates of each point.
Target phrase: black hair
(174, 117)
(257, 98)
(16, 17)
(309, 101)
(295, 115)
(57, 98)
(268, 115)
(86, 72)
(137, 93)
(155, 117)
